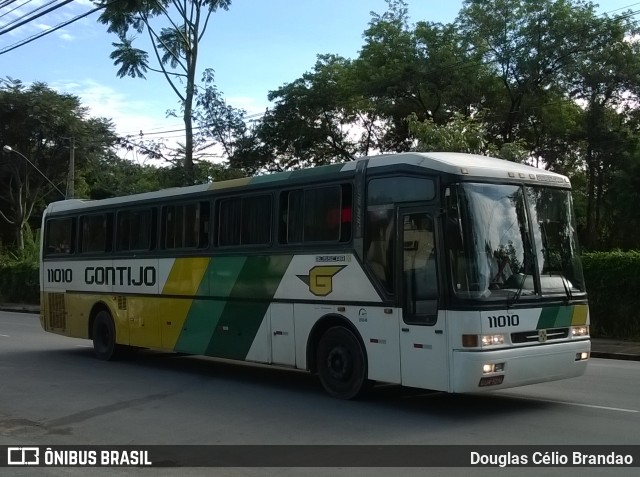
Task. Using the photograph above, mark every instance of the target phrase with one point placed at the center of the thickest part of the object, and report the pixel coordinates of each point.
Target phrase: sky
(254, 47)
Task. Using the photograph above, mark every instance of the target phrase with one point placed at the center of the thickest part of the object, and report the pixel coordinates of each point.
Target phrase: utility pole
(72, 169)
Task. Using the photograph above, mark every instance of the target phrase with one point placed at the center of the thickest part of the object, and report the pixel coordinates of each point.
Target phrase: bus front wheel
(104, 336)
(341, 361)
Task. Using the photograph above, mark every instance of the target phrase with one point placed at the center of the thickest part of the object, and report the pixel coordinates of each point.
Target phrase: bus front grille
(57, 311)
(534, 335)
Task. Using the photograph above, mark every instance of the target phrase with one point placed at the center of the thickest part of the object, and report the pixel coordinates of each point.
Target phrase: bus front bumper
(518, 366)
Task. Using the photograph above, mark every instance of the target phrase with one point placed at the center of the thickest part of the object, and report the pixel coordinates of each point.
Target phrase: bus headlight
(582, 356)
(577, 331)
(473, 341)
(492, 368)
(492, 340)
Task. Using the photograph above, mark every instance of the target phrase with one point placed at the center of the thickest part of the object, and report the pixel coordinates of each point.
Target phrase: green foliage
(462, 134)
(41, 125)
(219, 123)
(612, 280)
(19, 275)
(19, 283)
(29, 254)
(546, 82)
(132, 61)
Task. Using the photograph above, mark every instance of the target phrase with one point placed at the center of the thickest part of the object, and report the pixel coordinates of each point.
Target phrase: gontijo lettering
(130, 276)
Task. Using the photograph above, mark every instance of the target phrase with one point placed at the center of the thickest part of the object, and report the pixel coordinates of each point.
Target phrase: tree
(113, 176)
(175, 47)
(309, 125)
(220, 125)
(605, 81)
(424, 70)
(39, 122)
(344, 108)
(530, 45)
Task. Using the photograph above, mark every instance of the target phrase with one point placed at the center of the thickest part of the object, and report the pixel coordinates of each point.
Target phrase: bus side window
(317, 214)
(59, 236)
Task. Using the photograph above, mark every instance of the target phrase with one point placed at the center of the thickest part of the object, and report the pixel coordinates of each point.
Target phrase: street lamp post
(7, 148)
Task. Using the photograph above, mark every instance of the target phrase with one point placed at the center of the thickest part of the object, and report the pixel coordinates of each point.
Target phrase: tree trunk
(591, 187)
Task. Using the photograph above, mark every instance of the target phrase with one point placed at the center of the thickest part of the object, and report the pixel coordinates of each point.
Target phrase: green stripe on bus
(237, 328)
(222, 275)
(555, 317)
(564, 316)
(260, 277)
(203, 316)
(199, 326)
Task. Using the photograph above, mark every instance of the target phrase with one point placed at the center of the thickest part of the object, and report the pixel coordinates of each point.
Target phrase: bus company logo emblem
(320, 279)
(542, 336)
(23, 455)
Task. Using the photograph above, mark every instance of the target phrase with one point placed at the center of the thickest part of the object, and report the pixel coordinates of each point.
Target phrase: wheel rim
(340, 364)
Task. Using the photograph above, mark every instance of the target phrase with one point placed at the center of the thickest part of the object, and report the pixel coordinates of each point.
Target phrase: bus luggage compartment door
(283, 350)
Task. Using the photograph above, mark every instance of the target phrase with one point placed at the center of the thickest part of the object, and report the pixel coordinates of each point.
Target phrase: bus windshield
(508, 241)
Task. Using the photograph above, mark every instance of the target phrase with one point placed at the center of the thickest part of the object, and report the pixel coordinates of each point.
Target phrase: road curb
(20, 309)
(620, 356)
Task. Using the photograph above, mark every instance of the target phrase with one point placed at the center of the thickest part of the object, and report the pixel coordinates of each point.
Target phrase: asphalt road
(54, 392)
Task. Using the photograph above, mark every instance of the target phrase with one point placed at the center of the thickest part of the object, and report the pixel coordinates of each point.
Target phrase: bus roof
(473, 165)
(464, 165)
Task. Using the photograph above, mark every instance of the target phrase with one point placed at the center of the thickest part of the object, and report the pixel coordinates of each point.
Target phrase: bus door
(423, 336)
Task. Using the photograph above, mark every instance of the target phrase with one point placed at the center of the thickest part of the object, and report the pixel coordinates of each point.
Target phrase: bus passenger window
(59, 236)
(136, 230)
(244, 221)
(95, 233)
(319, 214)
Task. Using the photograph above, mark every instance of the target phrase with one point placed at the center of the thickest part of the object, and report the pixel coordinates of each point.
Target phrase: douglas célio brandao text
(574, 458)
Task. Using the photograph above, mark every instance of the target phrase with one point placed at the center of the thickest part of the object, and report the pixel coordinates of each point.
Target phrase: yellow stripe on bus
(186, 276)
(580, 314)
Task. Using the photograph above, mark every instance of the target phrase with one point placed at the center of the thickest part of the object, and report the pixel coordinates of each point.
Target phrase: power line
(250, 117)
(9, 2)
(53, 29)
(622, 8)
(6, 3)
(30, 19)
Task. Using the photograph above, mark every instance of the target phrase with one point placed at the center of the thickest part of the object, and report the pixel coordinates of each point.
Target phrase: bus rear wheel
(341, 361)
(104, 336)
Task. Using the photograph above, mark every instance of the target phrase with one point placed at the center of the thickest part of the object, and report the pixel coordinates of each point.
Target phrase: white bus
(443, 271)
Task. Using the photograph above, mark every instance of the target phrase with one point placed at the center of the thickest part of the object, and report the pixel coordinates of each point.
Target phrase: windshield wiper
(567, 289)
(516, 296)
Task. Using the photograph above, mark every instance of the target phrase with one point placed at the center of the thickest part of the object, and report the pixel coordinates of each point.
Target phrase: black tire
(342, 365)
(104, 336)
